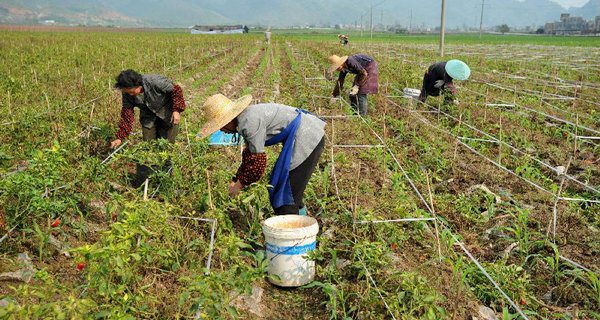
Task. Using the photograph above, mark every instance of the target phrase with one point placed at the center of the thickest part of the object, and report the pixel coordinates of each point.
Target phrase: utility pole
(443, 28)
(410, 23)
(361, 25)
(371, 21)
(481, 19)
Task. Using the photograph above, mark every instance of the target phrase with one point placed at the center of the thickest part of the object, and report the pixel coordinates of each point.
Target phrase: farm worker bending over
(365, 81)
(301, 133)
(438, 79)
(160, 102)
(343, 39)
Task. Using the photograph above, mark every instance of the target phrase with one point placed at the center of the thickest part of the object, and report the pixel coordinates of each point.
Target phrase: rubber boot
(302, 211)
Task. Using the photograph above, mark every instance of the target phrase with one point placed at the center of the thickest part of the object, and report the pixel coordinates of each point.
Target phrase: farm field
(427, 211)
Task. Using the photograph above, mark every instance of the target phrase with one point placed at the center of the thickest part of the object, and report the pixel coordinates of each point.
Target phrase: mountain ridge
(285, 13)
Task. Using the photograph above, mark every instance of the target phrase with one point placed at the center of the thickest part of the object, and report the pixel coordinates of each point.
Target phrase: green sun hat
(457, 69)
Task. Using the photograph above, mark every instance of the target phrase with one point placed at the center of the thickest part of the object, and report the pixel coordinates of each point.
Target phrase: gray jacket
(155, 102)
(259, 122)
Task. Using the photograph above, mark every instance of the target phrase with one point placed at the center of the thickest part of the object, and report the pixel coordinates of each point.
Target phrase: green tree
(503, 28)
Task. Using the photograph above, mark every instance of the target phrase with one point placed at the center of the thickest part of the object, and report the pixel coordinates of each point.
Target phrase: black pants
(358, 103)
(299, 180)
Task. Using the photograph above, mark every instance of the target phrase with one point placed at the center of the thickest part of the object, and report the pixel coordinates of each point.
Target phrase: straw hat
(220, 110)
(457, 69)
(336, 62)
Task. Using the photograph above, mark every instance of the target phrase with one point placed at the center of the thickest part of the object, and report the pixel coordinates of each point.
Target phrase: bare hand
(235, 188)
(354, 90)
(175, 118)
(116, 143)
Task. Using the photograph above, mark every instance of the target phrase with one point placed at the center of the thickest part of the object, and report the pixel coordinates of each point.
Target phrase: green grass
(331, 34)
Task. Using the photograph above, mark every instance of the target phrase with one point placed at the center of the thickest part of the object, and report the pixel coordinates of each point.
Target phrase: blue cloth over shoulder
(280, 193)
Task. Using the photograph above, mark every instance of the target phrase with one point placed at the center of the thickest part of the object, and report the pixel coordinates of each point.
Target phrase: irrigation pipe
(574, 263)
(543, 114)
(546, 115)
(212, 237)
(114, 152)
(357, 145)
(496, 140)
(512, 303)
(9, 231)
(512, 172)
(368, 274)
(477, 139)
(447, 132)
(579, 199)
(479, 266)
(395, 220)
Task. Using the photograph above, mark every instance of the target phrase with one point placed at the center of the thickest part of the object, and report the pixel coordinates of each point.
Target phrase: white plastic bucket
(288, 238)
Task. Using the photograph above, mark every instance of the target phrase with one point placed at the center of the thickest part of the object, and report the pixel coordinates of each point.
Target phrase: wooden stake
(12, 116)
(146, 190)
(210, 201)
(556, 200)
(355, 206)
(187, 136)
(92, 111)
(456, 144)
(500, 142)
(576, 134)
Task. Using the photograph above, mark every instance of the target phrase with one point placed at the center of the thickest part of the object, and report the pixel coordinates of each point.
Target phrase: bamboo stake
(456, 144)
(210, 200)
(556, 200)
(12, 115)
(355, 206)
(576, 134)
(500, 144)
(146, 190)
(92, 111)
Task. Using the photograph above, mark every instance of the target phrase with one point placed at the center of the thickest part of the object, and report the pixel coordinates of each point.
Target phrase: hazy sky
(571, 3)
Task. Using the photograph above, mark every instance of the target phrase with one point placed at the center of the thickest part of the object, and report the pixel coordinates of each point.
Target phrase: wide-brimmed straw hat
(220, 110)
(336, 62)
(457, 69)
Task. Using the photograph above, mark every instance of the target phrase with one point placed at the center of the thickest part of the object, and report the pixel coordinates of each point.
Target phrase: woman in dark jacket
(160, 102)
(365, 81)
(438, 79)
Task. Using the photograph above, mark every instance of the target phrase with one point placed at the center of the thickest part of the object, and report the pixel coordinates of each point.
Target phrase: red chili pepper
(80, 266)
(523, 302)
(56, 223)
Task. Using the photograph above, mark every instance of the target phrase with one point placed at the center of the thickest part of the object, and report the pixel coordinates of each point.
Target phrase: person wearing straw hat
(438, 79)
(301, 133)
(160, 102)
(343, 39)
(365, 81)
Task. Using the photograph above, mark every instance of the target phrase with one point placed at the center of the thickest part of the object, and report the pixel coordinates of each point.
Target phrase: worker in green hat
(438, 79)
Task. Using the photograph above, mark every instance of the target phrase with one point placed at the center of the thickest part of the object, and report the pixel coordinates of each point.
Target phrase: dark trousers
(434, 92)
(161, 130)
(299, 180)
(359, 102)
